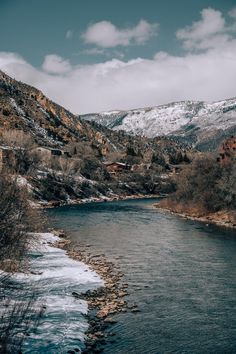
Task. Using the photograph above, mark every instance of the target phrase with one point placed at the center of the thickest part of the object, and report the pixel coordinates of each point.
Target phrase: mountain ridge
(194, 122)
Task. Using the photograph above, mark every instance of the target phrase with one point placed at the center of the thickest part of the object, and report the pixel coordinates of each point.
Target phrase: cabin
(66, 154)
(176, 169)
(47, 151)
(116, 167)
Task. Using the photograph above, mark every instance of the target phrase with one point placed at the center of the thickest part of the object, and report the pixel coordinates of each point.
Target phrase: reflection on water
(180, 273)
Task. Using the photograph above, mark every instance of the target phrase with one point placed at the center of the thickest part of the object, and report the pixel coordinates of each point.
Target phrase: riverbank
(49, 282)
(103, 302)
(57, 203)
(222, 218)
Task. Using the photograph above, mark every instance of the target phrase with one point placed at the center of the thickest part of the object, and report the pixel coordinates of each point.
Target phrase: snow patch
(169, 118)
(17, 108)
(55, 276)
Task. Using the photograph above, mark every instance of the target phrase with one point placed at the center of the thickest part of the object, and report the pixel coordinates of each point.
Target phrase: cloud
(93, 51)
(232, 13)
(116, 84)
(55, 64)
(208, 32)
(69, 34)
(106, 35)
(103, 52)
(209, 74)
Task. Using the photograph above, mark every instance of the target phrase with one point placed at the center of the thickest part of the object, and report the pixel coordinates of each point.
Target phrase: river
(181, 274)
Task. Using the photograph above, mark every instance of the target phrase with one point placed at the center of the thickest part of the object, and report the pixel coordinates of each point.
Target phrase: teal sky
(34, 28)
(99, 55)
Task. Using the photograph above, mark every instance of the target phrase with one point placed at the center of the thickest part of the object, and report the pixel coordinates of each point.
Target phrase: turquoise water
(181, 274)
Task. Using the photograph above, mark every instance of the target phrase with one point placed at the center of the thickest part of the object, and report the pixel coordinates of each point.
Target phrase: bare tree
(17, 220)
(25, 159)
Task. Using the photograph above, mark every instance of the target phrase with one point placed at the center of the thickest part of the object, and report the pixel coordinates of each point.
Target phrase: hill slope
(90, 147)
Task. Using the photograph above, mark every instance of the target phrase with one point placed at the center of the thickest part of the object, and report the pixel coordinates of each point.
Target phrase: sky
(93, 56)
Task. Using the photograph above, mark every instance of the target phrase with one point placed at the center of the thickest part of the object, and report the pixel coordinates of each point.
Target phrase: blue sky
(100, 55)
(36, 28)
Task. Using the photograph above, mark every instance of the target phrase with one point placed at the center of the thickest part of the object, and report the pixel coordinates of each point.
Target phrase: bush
(25, 159)
(17, 219)
(207, 184)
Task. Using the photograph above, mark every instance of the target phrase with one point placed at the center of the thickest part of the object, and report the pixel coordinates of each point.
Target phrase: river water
(181, 274)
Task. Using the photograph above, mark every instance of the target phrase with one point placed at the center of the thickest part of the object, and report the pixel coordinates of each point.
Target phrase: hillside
(199, 124)
(70, 158)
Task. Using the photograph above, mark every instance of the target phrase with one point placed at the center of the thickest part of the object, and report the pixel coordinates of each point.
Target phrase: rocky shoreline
(57, 203)
(221, 219)
(103, 302)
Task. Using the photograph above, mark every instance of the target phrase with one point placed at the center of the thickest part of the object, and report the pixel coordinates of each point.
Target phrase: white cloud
(106, 35)
(232, 13)
(10, 58)
(116, 84)
(93, 51)
(69, 34)
(55, 64)
(109, 53)
(209, 32)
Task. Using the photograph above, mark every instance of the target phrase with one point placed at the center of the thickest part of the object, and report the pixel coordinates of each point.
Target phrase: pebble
(105, 301)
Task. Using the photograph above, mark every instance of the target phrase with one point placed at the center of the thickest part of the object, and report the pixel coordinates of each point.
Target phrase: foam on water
(55, 276)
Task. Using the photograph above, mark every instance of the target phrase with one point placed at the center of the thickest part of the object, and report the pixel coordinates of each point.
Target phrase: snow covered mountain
(199, 123)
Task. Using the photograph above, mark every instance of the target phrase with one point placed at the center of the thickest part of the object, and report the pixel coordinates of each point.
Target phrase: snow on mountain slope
(179, 117)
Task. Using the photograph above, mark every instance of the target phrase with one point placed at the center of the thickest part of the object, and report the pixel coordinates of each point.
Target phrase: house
(66, 154)
(176, 169)
(47, 151)
(116, 167)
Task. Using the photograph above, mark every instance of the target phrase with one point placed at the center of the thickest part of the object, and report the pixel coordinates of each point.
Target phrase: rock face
(26, 108)
(202, 124)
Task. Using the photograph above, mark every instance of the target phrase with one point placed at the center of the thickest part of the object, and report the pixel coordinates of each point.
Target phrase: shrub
(17, 219)
(207, 184)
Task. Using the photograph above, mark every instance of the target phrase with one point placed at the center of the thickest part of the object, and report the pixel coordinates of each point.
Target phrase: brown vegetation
(17, 220)
(204, 187)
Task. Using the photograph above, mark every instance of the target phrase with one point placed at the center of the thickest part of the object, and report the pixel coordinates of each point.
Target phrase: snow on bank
(55, 276)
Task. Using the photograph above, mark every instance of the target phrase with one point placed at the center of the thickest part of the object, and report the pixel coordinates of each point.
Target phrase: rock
(122, 293)
(99, 334)
(110, 320)
(36, 273)
(135, 310)
(75, 294)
